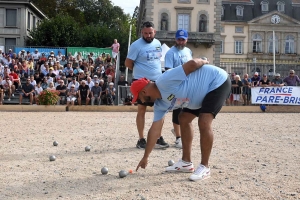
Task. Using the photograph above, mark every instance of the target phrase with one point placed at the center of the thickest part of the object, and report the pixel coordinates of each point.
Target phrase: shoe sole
(179, 171)
(202, 179)
(139, 147)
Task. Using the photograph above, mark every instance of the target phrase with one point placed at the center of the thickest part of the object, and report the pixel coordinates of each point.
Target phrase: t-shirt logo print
(171, 97)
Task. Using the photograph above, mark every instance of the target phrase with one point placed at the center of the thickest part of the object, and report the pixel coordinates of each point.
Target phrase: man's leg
(31, 98)
(79, 101)
(20, 98)
(206, 136)
(187, 133)
(140, 120)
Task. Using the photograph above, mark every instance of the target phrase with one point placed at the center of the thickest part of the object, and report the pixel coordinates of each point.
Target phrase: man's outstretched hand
(143, 163)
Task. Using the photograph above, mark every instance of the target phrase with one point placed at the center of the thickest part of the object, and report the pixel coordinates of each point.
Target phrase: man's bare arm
(129, 63)
(193, 65)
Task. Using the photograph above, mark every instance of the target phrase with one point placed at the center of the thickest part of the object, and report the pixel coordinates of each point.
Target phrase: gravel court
(255, 156)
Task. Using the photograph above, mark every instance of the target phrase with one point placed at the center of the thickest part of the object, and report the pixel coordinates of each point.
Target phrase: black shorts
(175, 115)
(140, 102)
(213, 101)
(24, 96)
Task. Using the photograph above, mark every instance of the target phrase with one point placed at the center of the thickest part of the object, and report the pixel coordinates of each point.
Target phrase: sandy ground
(255, 156)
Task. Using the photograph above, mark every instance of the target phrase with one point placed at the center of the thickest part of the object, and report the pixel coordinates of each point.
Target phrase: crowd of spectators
(242, 87)
(78, 79)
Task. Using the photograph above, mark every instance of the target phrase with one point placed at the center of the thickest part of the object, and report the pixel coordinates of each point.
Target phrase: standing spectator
(144, 59)
(96, 93)
(177, 56)
(122, 81)
(255, 80)
(27, 92)
(229, 100)
(115, 50)
(61, 88)
(36, 56)
(110, 94)
(103, 86)
(71, 96)
(83, 93)
(277, 81)
(236, 86)
(292, 79)
(246, 89)
(265, 82)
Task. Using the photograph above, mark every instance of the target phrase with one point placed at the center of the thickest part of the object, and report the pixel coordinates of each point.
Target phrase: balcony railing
(194, 37)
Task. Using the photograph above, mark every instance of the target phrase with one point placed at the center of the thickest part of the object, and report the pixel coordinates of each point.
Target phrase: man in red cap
(199, 89)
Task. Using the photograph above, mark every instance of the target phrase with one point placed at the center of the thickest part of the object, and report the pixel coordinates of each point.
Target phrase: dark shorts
(175, 115)
(140, 102)
(213, 101)
(24, 96)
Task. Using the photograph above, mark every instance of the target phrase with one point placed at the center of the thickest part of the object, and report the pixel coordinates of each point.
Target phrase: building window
(239, 11)
(183, 21)
(290, 45)
(271, 44)
(203, 23)
(238, 44)
(257, 43)
(11, 17)
(222, 11)
(280, 6)
(164, 22)
(239, 29)
(222, 46)
(10, 43)
(264, 6)
(28, 20)
(184, 1)
(34, 22)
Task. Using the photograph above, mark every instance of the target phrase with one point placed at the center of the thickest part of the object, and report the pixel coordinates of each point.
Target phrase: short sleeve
(169, 60)
(133, 52)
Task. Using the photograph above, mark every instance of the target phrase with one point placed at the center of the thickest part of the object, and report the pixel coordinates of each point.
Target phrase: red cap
(137, 86)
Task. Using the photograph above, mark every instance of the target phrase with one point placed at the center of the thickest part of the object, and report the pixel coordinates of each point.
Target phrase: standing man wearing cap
(176, 56)
(36, 57)
(277, 81)
(255, 80)
(292, 79)
(200, 90)
(144, 59)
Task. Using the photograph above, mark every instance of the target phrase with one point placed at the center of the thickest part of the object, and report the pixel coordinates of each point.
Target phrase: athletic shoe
(13, 95)
(161, 143)
(178, 143)
(141, 143)
(201, 173)
(8, 99)
(181, 166)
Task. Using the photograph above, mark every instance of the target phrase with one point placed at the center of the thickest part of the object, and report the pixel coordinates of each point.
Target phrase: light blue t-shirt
(181, 91)
(175, 57)
(146, 57)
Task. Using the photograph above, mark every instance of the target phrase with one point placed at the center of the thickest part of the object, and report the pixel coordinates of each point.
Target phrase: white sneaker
(181, 166)
(13, 95)
(8, 99)
(201, 173)
(178, 143)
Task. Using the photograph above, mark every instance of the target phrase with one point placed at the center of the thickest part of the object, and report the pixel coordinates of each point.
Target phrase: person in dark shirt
(122, 81)
(83, 93)
(27, 91)
(255, 80)
(37, 78)
(61, 88)
(70, 76)
(265, 82)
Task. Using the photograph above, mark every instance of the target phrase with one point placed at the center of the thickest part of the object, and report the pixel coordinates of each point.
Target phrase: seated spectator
(51, 87)
(98, 73)
(96, 93)
(38, 90)
(27, 92)
(292, 79)
(67, 69)
(59, 56)
(128, 100)
(45, 69)
(49, 79)
(71, 95)
(32, 81)
(44, 84)
(103, 86)
(16, 80)
(74, 82)
(81, 75)
(37, 78)
(95, 79)
(83, 93)
(55, 69)
(265, 82)
(108, 59)
(109, 79)
(110, 94)
(103, 58)
(30, 67)
(7, 87)
(277, 81)
(255, 80)
(236, 86)
(246, 89)
(71, 76)
(63, 61)
(64, 78)
(61, 88)
(1, 94)
(89, 82)
(122, 81)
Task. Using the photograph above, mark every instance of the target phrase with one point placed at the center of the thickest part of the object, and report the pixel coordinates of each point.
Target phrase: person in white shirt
(38, 89)
(32, 81)
(90, 83)
(59, 56)
(7, 87)
(75, 83)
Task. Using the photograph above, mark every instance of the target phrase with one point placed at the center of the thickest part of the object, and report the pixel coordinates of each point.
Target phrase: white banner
(287, 95)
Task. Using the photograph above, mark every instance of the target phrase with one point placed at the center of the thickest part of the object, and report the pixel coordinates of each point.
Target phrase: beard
(179, 46)
(148, 99)
(148, 40)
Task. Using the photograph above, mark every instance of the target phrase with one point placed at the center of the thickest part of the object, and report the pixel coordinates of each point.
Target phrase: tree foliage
(86, 23)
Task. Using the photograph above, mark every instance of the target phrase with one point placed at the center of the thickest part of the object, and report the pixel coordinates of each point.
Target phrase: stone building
(17, 18)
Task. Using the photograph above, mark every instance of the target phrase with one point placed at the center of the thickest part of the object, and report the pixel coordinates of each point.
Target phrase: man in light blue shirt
(144, 59)
(176, 56)
(201, 90)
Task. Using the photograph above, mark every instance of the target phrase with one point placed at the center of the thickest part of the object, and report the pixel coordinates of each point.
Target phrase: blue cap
(181, 34)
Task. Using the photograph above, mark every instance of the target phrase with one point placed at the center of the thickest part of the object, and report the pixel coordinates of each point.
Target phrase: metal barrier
(123, 92)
